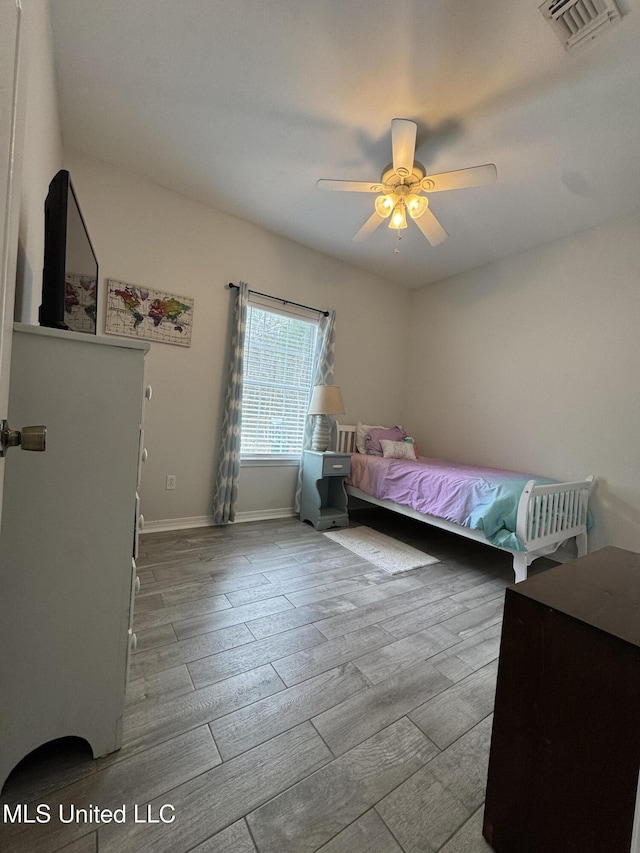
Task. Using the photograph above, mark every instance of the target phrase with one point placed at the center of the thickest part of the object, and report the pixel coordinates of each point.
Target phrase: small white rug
(383, 551)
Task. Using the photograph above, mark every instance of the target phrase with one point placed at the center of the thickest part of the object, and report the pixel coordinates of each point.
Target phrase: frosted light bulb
(417, 204)
(399, 216)
(384, 205)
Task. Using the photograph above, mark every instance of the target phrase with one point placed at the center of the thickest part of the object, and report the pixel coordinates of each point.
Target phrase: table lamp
(325, 400)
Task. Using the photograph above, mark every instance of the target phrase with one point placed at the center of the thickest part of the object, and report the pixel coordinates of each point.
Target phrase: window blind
(278, 366)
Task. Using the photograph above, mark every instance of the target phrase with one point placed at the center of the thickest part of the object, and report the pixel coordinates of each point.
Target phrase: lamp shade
(326, 400)
(384, 205)
(417, 205)
(399, 217)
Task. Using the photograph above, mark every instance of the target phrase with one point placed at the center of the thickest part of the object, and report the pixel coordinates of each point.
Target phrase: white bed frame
(547, 515)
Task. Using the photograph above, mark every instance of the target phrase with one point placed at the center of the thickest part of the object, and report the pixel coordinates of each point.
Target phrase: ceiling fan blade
(431, 228)
(403, 145)
(476, 176)
(350, 186)
(369, 227)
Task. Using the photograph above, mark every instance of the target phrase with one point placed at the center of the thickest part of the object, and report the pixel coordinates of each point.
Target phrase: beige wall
(531, 364)
(42, 156)
(148, 235)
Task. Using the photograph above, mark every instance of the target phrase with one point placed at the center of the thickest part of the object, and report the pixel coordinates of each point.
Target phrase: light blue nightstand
(324, 500)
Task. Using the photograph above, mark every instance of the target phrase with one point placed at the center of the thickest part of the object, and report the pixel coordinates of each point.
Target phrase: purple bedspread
(484, 499)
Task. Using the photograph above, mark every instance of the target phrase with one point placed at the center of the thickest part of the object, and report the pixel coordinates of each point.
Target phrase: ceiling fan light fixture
(403, 182)
(399, 216)
(384, 205)
(417, 205)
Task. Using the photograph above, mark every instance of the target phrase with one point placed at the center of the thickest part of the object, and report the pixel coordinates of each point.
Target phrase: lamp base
(321, 434)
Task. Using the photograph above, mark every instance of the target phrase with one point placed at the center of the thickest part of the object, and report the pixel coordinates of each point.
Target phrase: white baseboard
(167, 524)
(266, 514)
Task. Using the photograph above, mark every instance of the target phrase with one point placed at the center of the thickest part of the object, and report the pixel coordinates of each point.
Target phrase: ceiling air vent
(578, 21)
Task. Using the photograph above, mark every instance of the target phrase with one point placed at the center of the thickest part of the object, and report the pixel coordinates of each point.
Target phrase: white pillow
(398, 449)
(361, 431)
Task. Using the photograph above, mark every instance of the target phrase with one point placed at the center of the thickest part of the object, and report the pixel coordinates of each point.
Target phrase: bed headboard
(346, 439)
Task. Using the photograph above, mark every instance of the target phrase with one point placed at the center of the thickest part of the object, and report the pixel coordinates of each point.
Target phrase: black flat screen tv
(70, 274)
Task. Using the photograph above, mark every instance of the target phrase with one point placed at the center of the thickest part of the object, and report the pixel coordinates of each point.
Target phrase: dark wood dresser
(565, 747)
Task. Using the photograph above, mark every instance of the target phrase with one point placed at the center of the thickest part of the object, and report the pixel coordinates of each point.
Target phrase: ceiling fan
(402, 184)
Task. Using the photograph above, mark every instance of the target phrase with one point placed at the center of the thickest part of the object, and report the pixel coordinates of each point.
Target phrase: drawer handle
(137, 586)
(134, 642)
(338, 466)
(148, 392)
(145, 454)
(141, 522)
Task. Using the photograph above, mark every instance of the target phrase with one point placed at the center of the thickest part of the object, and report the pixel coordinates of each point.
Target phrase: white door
(11, 127)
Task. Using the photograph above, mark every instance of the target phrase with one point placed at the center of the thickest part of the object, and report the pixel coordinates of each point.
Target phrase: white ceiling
(244, 104)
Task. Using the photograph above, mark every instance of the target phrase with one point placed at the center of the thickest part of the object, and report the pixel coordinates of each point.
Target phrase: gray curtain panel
(228, 474)
(322, 375)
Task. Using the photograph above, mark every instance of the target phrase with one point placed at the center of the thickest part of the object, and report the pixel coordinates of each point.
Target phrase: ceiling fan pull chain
(396, 251)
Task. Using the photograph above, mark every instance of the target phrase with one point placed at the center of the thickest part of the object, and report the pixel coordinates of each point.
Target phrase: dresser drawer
(336, 465)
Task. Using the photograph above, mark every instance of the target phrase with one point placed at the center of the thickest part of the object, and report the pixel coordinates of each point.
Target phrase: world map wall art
(140, 312)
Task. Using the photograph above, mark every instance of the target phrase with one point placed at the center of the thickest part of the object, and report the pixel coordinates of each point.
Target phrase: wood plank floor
(289, 697)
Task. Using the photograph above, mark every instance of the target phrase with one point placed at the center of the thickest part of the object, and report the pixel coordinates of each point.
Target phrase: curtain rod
(284, 301)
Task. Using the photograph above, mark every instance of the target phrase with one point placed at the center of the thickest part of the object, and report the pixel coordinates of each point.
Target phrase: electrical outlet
(171, 481)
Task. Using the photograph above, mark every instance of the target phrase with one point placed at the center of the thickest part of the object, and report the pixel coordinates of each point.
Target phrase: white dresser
(67, 579)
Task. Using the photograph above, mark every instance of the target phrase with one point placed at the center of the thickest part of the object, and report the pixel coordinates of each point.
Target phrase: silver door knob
(29, 438)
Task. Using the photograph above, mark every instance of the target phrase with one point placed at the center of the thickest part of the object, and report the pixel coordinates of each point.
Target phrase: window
(278, 364)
